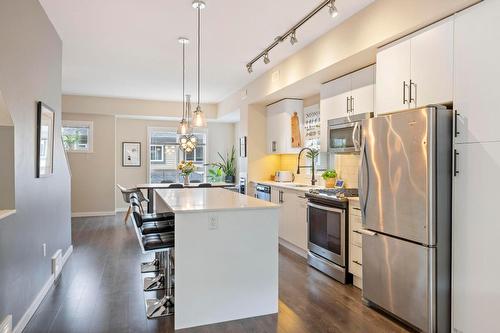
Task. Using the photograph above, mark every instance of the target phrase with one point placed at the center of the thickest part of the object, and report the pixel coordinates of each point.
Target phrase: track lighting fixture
(332, 10)
(292, 32)
(293, 38)
(266, 58)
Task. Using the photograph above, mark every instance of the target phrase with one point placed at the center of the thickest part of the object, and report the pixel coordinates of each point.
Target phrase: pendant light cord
(199, 43)
(183, 80)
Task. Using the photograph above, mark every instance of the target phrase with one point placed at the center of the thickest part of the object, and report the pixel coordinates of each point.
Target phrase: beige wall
(129, 107)
(93, 174)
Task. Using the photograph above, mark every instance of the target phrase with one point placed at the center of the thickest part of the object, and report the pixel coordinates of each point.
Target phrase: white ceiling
(128, 48)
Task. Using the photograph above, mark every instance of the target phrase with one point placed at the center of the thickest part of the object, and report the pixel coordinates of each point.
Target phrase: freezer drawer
(397, 277)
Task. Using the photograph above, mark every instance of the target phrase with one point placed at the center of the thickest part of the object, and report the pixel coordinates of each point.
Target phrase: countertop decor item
(131, 154)
(296, 139)
(45, 137)
(330, 177)
(186, 169)
(228, 165)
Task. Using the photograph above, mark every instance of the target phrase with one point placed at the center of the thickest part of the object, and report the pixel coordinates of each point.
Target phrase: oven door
(327, 232)
(344, 138)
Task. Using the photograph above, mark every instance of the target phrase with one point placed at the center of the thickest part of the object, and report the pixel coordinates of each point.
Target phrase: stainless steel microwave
(344, 134)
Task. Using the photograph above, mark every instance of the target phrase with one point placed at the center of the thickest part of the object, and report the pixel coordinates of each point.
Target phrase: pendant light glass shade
(199, 118)
(183, 127)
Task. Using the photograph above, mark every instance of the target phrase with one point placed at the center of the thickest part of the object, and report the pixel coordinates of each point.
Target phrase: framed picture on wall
(243, 146)
(45, 140)
(131, 154)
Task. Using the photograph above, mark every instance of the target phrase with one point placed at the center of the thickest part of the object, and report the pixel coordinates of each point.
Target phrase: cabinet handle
(273, 146)
(404, 92)
(455, 158)
(357, 262)
(352, 104)
(456, 123)
(356, 208)
(301, 197)
(412, 99)
(357, 231)
(347, 104)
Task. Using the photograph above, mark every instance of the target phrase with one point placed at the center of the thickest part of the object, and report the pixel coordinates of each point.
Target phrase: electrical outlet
(44, 249)
(213, 223)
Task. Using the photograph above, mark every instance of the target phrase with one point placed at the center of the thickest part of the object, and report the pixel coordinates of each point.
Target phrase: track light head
(266, 58)
(249, 69)
(183, 40)
(293, 38)
(332, 10)
(198, 4)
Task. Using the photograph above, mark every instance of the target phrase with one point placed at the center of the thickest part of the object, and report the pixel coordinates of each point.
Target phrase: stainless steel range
(328, 232)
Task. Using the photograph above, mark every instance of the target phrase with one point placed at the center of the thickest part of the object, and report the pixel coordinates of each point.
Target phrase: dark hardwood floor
(100, 291)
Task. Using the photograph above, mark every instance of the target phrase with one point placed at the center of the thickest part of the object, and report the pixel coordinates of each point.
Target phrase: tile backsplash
(347, 167)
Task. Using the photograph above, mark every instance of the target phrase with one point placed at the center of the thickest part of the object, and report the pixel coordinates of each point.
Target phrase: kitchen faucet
(313, 155)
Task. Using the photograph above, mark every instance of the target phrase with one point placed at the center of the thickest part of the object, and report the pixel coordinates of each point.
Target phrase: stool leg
(152, 266)
(156, 308)
(157, 282)
(127, 215)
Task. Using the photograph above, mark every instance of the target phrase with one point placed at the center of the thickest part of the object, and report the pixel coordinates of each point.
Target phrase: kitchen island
(226, 255)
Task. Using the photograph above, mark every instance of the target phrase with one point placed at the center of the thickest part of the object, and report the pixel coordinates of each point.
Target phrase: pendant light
(183, 127)
(199, 119)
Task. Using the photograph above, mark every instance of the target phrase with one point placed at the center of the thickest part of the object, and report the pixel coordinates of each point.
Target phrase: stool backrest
(176, 186)
(205, 185)
(136, 212)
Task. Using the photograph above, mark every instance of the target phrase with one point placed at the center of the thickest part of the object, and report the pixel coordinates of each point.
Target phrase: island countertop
(209, 199)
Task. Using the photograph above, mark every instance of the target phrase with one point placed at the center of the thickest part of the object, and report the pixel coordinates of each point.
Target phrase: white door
(363, 90)
(334, 104)
(476, 245)
(432, 65)
(477, 69)
(393, 72)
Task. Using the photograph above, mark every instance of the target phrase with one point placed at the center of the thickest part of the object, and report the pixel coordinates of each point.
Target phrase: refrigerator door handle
(355, 136)
(366, 232)
(363, 195)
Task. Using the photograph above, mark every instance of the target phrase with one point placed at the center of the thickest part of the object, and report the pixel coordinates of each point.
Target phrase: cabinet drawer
(354, 210)
(355, 263)
(356, 238)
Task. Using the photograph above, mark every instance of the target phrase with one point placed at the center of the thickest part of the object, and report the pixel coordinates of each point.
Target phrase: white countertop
(289, 185)
(209, 199)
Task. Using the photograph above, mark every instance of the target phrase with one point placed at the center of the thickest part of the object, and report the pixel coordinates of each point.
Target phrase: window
(77, 136)
(157, 154)
(165, 155)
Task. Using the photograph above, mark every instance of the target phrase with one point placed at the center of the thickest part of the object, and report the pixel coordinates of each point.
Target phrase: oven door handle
(366, 232)
(331, 209)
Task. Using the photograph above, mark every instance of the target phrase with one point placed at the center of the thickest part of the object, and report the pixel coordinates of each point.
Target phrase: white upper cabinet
(393, 78)
(477, 69)
(476, 226)
(417, 71)
(279, 126)
(432, 65)
(348, 95)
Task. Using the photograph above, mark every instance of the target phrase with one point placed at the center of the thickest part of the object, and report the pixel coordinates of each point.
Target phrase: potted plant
(186, 169)
(330, 177)
(70, 140)
(228, 165)
(214, 175)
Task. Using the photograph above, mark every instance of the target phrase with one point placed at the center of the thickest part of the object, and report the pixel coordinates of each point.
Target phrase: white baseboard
(121, 210)
(21, 324)
(91, 214)
(293, 248)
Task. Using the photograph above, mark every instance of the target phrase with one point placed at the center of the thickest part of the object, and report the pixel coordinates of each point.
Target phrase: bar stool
(205, 185)
(156, 308)
(176, 185)
(153, 224)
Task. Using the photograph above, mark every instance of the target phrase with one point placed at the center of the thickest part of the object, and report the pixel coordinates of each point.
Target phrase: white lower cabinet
(355, 244)
(475, 238)
(293, 219)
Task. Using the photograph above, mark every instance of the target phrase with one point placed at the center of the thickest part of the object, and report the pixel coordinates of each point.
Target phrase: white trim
(6, 213)
(121, 210)
(92, 214)
(21, 324)
(286, 244)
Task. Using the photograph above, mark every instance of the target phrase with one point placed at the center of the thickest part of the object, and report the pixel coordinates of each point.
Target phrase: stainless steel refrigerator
(405, 196)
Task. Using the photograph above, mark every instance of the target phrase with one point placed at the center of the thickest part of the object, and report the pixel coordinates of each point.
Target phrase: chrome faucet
(313, 155)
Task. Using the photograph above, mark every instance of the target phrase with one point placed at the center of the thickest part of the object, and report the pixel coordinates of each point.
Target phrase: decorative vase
(229, 179)
(186, 180)
(330, 182)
